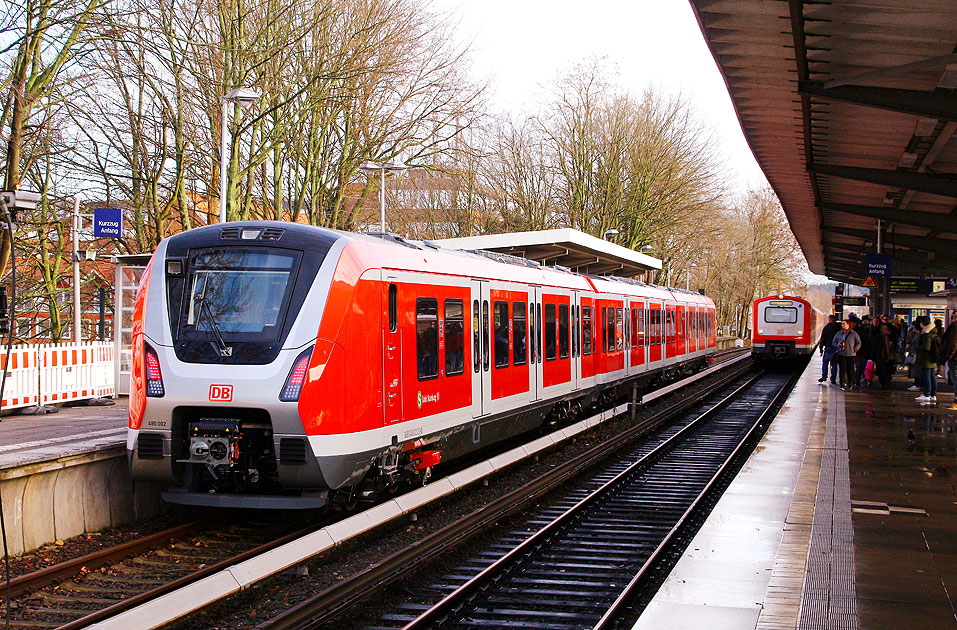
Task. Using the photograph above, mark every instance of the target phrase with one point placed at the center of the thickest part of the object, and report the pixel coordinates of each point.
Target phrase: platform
(64, 474)
(842, 518)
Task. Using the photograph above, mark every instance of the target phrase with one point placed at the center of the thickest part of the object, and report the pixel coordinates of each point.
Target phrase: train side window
(476, 338)
(635, 333)
(531, 333)
(500, 311)
(563, 331)
(575, 331)
(393, 308)
(609, 329)
(427, 337)
(485, 337)
(538, 330)
(550, 353)
(454, 338)
(586, 330)
(619, 325)
(627, 321)
(519, 345)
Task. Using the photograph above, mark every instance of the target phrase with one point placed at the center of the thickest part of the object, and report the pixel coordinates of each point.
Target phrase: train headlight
(154, 376)
(297, 377)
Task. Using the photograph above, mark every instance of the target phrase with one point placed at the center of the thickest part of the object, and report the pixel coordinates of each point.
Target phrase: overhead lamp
(612, 233)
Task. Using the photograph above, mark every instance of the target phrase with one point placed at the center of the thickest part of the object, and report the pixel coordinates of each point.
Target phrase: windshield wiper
(224, 351)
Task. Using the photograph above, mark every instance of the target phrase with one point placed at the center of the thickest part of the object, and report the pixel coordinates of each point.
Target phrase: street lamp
(382, 167)
(244, 97)
(612, 233)
(688, 277)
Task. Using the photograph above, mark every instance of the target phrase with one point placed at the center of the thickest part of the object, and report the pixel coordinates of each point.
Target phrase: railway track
(84, 590)
(330, 607)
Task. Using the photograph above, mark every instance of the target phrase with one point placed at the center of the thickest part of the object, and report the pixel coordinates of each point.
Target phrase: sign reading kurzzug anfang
(107, 222)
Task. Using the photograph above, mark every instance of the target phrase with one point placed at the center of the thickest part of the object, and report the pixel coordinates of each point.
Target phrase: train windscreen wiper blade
(204, 310)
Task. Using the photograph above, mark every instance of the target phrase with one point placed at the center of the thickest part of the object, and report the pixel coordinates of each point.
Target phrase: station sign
(107, 222)
(878, 265)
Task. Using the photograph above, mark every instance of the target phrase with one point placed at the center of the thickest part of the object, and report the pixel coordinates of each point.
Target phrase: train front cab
(781, 328)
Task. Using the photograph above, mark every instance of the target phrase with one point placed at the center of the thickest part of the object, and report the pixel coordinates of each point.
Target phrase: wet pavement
(902, 462)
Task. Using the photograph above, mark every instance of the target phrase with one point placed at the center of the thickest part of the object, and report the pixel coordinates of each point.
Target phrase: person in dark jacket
(866, 331)
(947, 355)
(881, 353)
(827, 350)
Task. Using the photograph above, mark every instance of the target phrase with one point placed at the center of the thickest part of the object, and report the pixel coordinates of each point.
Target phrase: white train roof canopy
(850, 109)
(564, 247)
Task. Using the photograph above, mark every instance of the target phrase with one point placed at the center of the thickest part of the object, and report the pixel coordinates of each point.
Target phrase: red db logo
(221, 393)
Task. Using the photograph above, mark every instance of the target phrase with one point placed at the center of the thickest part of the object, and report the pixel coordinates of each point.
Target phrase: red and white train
(784, 327)
(283, 365)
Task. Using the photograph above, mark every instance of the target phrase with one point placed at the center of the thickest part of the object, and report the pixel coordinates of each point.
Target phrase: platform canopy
(564, 247)
(850, 109)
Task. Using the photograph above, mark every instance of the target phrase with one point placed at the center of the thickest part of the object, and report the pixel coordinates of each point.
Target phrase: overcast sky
(522, 45)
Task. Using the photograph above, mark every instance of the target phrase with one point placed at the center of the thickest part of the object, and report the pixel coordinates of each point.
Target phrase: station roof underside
(564, 247)
(851, 111)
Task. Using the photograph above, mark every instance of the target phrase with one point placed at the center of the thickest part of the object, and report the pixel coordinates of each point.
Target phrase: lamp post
(243, 97)
(612, 233)
(382, 167)
(688, 277)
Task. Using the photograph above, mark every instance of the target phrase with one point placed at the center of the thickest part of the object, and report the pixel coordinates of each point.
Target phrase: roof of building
(850, 110)
(563, 247)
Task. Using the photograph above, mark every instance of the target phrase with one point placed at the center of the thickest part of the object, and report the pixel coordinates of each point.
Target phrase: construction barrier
(55, 373)
(22, 388)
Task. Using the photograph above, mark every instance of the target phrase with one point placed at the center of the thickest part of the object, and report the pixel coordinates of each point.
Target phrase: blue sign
(107, 222)
(879, 265)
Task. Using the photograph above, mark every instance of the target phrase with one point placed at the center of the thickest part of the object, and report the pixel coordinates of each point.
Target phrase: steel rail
(126, 604)
(457, 597)
(330, 603)
(610, 617)
(48, 575)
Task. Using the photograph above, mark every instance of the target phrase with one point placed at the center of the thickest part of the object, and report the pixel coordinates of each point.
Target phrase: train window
(550, 332)
(563, 331)
(586, 330)
(454, 338)
(519, 345)
(476, 338)
(670, 322)
(575, 331)
(627, 321)
(538, 330)
(609, 329)
(619, 324)
(500, 310)
(427, 337)
(531, 332)
(780, 315)
(485, 337)
(635, 330)
(393, 308)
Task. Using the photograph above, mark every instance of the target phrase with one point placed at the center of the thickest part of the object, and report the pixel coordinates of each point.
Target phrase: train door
(637, 334)
(654, 312)
(481, 351)
(392, 355)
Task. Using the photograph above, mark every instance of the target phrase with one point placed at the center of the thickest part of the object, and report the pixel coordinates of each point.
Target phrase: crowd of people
(867, 352)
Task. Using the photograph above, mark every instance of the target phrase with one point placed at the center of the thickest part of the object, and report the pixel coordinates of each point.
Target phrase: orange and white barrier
(22, 388)
(55, 373)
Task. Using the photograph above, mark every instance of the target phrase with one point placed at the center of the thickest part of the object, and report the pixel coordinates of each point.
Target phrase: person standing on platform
(827, 350)
(928, 345)
(866, 332)
(910, 347)
(847, 344)
(882, 353)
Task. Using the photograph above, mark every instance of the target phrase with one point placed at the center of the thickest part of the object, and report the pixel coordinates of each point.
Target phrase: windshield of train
(239, 292)
(779, 315)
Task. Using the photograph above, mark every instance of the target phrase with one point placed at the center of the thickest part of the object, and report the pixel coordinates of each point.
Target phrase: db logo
(221, 393)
